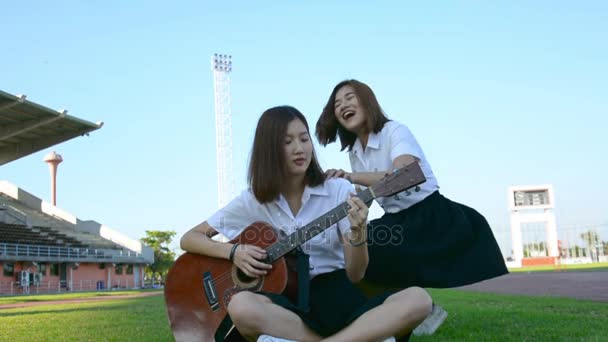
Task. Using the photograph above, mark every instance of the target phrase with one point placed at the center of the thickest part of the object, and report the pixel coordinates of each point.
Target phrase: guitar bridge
(210, 292)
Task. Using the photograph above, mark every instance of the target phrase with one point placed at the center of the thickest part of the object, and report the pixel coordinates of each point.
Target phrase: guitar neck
(314, 228)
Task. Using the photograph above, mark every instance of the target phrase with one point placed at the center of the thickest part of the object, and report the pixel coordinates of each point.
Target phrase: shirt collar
(373, 141)
(318, 190)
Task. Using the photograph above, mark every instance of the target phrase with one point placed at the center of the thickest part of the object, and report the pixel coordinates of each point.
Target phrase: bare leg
(398, 315)
(254, 314)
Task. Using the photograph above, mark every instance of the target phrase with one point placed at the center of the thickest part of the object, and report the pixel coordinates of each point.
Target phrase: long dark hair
(328, 126)
(267, 155)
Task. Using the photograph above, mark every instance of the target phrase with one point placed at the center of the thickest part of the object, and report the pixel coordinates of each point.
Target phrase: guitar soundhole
(245, 282)
(243, 277)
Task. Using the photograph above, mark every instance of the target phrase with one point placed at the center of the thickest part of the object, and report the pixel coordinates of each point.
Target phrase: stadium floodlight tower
(222, 66)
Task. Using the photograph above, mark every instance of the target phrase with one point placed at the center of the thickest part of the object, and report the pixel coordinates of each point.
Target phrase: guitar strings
(305, 233)
(313, 230)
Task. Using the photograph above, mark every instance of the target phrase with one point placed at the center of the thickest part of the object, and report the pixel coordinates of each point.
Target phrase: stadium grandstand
(44, 249)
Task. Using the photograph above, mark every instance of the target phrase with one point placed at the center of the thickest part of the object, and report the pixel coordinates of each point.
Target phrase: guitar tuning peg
(417, 188)
(408, 193)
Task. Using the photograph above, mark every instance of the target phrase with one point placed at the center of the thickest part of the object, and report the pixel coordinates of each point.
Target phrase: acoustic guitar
(198, 288)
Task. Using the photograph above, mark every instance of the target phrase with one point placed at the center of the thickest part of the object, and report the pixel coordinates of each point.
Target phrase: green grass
(134, 319)
(72, 295)
(472, 317)
(601, 266)
(489, 317)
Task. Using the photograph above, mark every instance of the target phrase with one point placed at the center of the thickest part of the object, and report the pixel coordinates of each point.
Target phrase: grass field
(472, 317)
(64, 296)
(135, 319)
(489, 317)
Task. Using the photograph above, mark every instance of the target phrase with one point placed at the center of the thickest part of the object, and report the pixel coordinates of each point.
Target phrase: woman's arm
(355, 242)
(246, 257)
(198, 240)
(371, 178)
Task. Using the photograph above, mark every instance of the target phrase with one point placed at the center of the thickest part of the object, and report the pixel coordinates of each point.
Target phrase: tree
(542, 248)
(163, 257)
(591, 239)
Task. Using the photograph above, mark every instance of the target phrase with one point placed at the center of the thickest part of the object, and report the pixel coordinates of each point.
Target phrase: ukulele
(198, 288)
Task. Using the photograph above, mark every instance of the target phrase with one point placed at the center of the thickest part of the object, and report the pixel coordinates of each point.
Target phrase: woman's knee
(246, 309)
(415, 301)
(423, 300)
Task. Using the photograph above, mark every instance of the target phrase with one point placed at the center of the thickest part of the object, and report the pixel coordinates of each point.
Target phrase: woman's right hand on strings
(247, 259)
(338, 173)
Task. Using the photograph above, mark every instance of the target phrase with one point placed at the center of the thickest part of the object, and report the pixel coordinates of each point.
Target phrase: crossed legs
(399, 314)
(254, 314)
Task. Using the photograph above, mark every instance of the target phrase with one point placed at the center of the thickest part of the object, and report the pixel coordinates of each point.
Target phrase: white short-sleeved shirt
(325, 250)
(394, 140)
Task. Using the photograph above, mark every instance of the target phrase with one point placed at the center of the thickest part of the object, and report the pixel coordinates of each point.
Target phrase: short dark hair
(328, 126)
(267, 155)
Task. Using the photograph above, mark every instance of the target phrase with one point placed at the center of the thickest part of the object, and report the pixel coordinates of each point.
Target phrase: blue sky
(498, 93)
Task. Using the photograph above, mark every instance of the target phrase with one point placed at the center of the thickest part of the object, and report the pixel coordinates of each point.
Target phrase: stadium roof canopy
(27, 127)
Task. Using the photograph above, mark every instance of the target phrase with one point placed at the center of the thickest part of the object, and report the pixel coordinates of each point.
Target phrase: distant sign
(531, 198)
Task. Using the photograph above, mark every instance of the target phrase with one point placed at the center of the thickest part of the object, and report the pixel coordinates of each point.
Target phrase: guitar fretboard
(300, 236)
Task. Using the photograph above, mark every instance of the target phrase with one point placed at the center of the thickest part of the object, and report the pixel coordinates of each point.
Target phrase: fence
(39, 251)
(576, 243)
(12, 288)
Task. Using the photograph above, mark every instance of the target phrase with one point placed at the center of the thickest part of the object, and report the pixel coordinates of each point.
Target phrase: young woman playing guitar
(288, 189)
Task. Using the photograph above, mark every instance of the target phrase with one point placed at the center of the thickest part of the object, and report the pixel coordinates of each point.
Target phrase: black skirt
(334, 301)
(435, 243)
